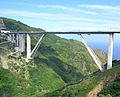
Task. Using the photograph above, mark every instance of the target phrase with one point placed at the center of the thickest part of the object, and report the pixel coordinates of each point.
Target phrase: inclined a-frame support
(17, 37)
(37, 46)
(31, 54)
(93, 55)
(110, 51)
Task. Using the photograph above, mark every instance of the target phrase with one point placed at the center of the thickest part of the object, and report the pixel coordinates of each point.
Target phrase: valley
(61, 68)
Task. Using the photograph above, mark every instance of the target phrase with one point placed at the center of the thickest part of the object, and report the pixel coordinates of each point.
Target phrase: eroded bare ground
(3, 60)
(99, 87)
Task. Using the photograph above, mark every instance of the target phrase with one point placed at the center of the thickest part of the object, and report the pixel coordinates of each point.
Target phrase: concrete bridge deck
(20, 37)
(73, 32)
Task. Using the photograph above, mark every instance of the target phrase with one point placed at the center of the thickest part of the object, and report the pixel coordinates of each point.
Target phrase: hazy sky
(68, 15)
(64, 15)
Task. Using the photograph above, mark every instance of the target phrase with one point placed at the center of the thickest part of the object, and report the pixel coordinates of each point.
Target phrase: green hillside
(112, 88)
(59, 62)
(108, 82)
(14, 25)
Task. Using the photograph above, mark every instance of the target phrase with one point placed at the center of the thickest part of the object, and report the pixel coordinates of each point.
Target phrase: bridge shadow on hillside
(65, 71)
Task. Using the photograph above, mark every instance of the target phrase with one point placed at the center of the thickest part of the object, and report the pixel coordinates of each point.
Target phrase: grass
(86, 85)
(58, 62)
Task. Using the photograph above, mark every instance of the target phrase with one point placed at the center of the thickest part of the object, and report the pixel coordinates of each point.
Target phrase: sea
(99, 42)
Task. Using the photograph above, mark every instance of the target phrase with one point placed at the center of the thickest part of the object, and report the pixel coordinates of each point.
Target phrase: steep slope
(71, 52)
(58, 62)
(112, 88)
(33, 79)
(92, 85)
(14, 25)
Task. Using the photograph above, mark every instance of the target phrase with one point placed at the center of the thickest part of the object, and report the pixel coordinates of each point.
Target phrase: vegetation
(58, 70)
(111, 89)
(82, 88)
(14, 25)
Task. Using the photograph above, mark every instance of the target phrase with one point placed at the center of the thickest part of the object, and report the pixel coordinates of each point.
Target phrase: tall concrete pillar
(28, 48)
(9, 38)
(20, 42)
(17, 39)
(110, 51)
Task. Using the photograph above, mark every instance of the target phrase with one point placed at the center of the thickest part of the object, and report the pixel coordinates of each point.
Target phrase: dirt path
(99, 87)
(96, 90)
(4, 62)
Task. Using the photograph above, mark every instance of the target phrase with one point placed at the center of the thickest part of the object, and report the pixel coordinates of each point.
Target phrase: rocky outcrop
(100, 53)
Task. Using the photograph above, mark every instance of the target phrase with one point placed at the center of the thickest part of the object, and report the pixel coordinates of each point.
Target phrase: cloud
(56, 16)
(53, 6)
(102, 7)
(33, 14)
(47, 16)
(79, 28)
(85, 26)
(71, 9)
(65, 22)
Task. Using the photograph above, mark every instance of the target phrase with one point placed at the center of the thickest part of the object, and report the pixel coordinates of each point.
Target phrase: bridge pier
(17, 39)
(110, 51)
(31, 53)
(28, 48)
(20, 43)
(9, 37)
(93, 55)
(13, 38)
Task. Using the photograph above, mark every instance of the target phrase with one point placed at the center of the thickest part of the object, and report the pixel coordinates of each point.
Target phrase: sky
(64, 15)
(67, 15)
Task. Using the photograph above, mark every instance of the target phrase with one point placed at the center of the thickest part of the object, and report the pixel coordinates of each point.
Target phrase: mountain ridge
(14, 25)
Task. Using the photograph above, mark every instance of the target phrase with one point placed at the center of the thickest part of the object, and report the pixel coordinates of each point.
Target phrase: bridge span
(61, 32)
(19, 38)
